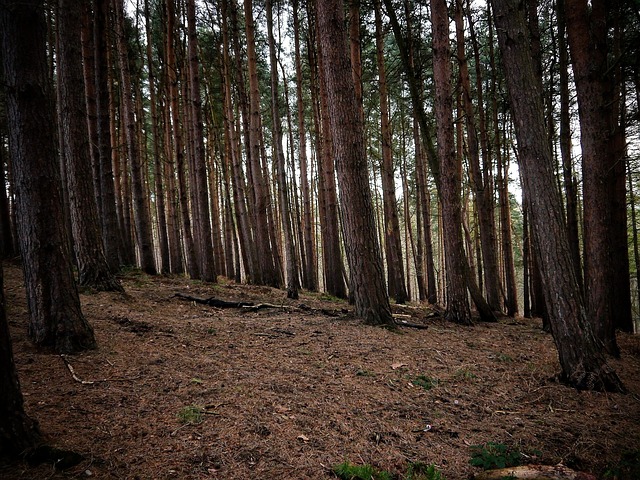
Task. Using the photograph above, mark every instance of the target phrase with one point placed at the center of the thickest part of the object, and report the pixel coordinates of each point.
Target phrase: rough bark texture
(457, 308)
(587, 32)
(392, 244)
(142, 219)
(482, 189)
(291, 259)
(54, 305)
(363, 251)
(203, 220)
(583, 364)
(266, 273)
(93, 270)
(107, 198)
(18, 432)
(310, 274)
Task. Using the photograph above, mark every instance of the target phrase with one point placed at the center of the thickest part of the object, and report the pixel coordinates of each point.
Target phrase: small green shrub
(422, 471)
(349, 471)
(425, 382)
(464, 374)
(494, 455)
(191, 415)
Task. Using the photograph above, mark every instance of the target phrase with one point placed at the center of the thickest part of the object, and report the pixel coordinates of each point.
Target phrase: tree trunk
(587, 31)
(278, 158)
(363, 251)
(266, 273)
(142, 219)
(393, 245)
(54, 305)
(203, 219)
(583, 364)
(457, 308)
(327, 194)
(483, 191)
(93, 270)
(18, 432)
(310, 274)
(107, 198)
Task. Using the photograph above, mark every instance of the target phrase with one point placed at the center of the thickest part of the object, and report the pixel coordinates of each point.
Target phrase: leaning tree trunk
(363, 251)
(93, 270)
(18, 432)
(54, 305)
(583, 364)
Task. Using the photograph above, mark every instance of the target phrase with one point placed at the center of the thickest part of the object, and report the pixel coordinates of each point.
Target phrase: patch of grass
(197, 381)
(494, 455)
(364, 373)
(212, 331)
(425, 382)
(191, 415)
(464, 374)
(627, 468)
(503, 357)
(349, 471)
(423, 471)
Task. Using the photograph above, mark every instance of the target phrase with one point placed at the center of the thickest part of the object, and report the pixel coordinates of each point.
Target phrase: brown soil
(289, 392)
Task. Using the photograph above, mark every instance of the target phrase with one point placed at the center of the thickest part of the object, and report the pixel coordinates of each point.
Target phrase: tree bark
(310, 274)
(110, 228)
(54, 305)
(93, 270)
(363, 251)
(266, 273)
(393, 246)
(291, 259)
(587, 31)
(482, 189)
(18, 432)
(583, 364)
(457, 308)
(203, 219)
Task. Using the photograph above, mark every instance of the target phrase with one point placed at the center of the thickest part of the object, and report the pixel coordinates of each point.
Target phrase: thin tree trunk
(483, 192)
(109, 217)
(142, 219)
(310, 274)
(278, 154)
(393, 246)
(266, 273)
(203, 219)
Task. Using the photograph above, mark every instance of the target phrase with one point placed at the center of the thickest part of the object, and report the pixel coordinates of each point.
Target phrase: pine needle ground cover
(281, 393)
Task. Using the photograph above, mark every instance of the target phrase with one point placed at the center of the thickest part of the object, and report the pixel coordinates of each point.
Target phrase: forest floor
(180, 390)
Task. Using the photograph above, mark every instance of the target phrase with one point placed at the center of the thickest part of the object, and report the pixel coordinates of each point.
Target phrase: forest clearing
(291, 392)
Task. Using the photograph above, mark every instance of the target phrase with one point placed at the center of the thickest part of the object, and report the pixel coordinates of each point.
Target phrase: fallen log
(215, 302)
(535, 472)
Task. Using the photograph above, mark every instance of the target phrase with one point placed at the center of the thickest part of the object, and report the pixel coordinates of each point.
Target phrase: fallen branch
(215, 302)
(533, 472)
(73, 372)
(397, 318)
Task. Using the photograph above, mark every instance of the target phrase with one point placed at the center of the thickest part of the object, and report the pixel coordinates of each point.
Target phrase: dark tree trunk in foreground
(54, 304)
(583, 364)
(93, 270)
(363, 251)
(18, 432)
(587, 31)
(458, 309)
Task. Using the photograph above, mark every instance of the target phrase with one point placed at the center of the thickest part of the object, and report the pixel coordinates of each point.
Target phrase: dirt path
(290, 392)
